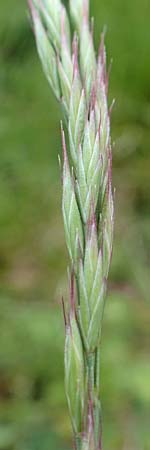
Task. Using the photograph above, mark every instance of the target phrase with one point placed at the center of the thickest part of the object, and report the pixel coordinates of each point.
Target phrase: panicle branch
(79, 80)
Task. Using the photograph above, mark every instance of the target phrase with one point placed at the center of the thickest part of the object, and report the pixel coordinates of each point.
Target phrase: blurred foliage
(33, 258)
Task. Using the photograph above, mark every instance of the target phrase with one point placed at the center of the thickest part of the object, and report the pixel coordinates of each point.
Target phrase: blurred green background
(33, 257)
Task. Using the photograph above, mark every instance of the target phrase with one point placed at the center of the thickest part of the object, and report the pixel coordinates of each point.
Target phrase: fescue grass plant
(79, 81)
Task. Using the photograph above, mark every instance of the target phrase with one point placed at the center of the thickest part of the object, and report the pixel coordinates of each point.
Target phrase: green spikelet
(46, 53)
(77, 109)
(74, 375)
(71, 215)
(79, 11)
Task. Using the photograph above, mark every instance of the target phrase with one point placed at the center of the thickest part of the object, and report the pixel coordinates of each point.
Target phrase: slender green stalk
(79, 81)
